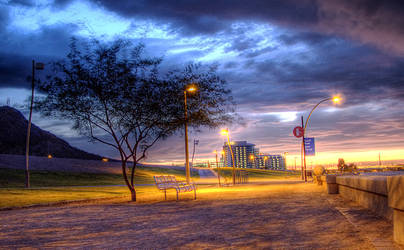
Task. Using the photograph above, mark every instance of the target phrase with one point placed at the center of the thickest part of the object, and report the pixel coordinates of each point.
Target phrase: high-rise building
(246, 155)
(242, 154)
(268, 161)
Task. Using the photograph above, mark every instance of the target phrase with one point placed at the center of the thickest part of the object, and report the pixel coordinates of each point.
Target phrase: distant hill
(13, 132)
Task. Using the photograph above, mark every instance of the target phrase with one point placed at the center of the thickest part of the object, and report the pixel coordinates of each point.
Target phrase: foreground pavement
(277, 215)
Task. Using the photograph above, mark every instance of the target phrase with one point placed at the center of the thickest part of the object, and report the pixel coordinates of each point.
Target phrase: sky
(279, 58)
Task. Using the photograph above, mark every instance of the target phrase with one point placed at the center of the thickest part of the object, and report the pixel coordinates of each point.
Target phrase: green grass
(17, 197)
(260, 173)
(15, 178)
(51, 187)
(180, 174)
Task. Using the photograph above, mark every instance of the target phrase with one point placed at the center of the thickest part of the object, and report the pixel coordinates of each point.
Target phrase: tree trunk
(125, 177)
(133, 194)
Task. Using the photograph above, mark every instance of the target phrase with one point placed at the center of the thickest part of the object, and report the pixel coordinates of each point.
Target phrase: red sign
(298, 131)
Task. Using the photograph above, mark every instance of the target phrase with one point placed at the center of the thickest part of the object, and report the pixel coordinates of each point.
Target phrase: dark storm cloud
(4, 17)
(310, 38)
(28, 3)
(19, 49)
(14, 70)
(377, 22)
(191, 17)
(327, 66)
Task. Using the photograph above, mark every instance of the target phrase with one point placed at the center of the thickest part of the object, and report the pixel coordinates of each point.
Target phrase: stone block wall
(383, 195)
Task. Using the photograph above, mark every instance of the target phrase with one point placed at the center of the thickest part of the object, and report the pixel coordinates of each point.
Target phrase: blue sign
(309, 147)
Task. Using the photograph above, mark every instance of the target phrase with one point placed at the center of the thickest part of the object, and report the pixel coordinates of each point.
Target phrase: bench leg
(177, 195)
(165, 194)
(194, 194)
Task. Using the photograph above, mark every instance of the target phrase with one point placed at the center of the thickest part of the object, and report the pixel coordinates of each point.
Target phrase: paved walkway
(276, 216)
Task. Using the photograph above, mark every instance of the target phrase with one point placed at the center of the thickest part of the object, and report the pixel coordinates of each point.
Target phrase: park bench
(164, 182)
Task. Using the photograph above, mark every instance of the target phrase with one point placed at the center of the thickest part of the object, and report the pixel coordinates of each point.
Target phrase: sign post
(299, 132)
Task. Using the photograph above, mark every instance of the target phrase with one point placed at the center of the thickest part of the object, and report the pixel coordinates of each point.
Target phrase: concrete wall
(383, 195)
(395, 187)
(370, 192)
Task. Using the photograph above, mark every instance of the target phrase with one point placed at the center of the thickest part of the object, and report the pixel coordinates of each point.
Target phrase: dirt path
(253, 216)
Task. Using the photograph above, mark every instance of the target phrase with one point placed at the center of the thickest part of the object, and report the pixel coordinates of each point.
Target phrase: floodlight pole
(232, 158)
(218, 169)
(38, 66)
(187, 172)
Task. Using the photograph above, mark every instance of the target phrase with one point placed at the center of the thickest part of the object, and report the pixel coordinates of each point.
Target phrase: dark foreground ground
(276, 215)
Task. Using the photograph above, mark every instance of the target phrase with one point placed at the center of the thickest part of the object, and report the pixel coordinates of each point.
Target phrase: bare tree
(116, 96)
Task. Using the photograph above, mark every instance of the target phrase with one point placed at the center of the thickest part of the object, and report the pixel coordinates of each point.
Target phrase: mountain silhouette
(13, 132)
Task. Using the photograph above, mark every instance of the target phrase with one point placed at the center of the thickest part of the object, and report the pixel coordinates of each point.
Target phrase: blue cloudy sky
(279, 58)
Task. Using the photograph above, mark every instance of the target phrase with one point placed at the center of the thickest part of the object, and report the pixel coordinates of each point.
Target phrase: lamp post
(336, 100)
(285, 154)
(252, 158)
(35, 66)
(217, 166)
(226, 133)
(190, 88)
(265, 162)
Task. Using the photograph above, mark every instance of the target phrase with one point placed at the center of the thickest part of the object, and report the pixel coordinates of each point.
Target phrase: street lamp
(217, 166)
(226, 133)
(252, 158)
(190, 88)
(336, 100)
(285, 154)
(35, 66)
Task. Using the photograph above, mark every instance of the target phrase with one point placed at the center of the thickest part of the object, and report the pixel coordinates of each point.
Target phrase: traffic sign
(309, 147)
(298, 131)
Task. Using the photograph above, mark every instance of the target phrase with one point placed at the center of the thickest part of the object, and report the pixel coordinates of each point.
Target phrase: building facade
(268, 161)
(246, 155)
(242, 154)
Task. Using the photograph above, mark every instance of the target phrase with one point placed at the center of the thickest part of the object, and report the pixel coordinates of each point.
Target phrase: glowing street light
(35, 66)
(190, 88)
(336, 100)
(225, 132)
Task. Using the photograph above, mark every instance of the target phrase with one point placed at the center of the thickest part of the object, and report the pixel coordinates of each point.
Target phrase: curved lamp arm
(308, 118)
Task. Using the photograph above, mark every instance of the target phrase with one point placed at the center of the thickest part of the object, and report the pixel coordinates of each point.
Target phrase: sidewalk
(277, 216)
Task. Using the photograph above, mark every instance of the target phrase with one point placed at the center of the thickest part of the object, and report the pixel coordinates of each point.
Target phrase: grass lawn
(15, 178)
(260, 174)
(50, 187)
(17, 197)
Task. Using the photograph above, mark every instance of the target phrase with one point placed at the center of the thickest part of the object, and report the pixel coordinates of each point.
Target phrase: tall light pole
(226, 133)
(252, 158)
(217, 166)
(35, 66)
(265, 162)
(336, 100)
(285, 154)
(190, 88)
